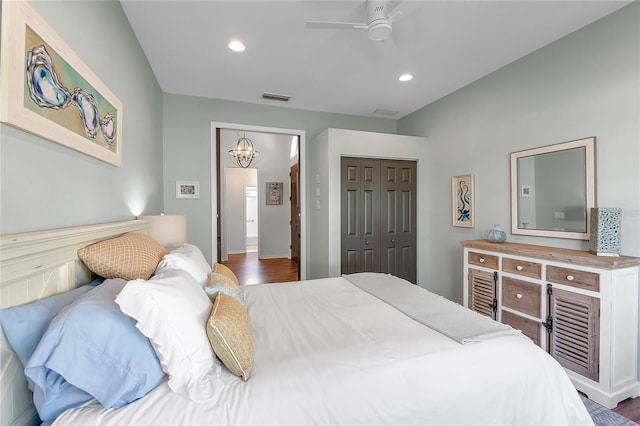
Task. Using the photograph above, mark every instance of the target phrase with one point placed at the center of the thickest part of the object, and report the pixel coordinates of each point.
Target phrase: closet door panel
(350, 216)
(398, 185)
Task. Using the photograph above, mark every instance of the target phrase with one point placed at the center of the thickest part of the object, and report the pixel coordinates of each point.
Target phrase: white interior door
(251, 215)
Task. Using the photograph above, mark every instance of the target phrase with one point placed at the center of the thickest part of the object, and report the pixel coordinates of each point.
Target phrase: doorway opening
(271, 231)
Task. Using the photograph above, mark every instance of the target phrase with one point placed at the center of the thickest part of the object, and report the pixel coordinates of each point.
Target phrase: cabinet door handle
(519, 268)
(570, 277)
(519, 296)
(482, 260)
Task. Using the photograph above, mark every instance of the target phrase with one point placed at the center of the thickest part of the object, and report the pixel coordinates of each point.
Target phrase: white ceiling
(444, 44)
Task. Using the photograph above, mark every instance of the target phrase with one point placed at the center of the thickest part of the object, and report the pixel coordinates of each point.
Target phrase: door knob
(366, 242)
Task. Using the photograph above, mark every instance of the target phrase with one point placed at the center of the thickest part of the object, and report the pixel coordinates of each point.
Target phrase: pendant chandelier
(244, 152)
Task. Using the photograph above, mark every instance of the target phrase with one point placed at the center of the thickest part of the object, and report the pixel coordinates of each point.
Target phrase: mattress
(329, 352)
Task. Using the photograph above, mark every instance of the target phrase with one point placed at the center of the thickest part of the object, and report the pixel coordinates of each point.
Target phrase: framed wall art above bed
(47, 90)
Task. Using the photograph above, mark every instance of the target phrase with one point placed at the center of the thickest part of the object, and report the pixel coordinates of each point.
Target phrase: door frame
(215, 183)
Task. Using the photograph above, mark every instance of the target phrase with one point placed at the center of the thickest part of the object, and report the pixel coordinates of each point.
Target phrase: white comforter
(327, 352)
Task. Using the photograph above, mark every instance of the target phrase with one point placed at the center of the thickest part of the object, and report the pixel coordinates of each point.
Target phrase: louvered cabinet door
(574, 340)
(482, 292)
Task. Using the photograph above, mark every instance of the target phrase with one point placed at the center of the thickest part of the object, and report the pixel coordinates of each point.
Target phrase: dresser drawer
(529, 328)
(522, 267)
(522, 296)
(574, 278)
(486, 260)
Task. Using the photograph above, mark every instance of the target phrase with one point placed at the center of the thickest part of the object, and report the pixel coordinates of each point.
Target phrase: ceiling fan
(379, 21)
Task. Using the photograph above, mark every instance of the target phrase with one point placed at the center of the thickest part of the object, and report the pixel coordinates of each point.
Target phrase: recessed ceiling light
(236, 46)
(405, 77)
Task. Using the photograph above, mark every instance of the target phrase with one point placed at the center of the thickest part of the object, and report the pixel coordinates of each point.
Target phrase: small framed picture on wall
(274, 193)
(188, 189)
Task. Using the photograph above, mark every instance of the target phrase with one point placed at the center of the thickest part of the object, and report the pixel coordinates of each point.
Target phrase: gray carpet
(603, 416)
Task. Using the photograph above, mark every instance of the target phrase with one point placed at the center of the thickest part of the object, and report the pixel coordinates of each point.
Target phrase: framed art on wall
(188, 189)
(274, 193)
(47, 90)
(462, 201)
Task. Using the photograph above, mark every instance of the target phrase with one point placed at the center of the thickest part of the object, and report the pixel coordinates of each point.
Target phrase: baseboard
(274, 256)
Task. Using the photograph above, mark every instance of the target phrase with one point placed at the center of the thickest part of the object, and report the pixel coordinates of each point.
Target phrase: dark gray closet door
(360, 221)
(378, 217)
(398, 216)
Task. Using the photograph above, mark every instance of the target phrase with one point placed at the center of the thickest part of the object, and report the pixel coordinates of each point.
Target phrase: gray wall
(45, 185)
(586, 84)
(233, 192)
(187, 147)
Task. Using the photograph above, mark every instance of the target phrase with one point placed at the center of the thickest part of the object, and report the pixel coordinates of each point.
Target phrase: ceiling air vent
(273, 97)
(387, 112)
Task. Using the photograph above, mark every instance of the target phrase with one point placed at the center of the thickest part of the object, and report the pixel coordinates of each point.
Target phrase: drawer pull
(519, 296)
(570, 277)
(519, 267)
(482, 260)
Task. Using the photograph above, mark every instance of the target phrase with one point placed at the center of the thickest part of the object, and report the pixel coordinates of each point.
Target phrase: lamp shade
(168, 230)
(605, 231)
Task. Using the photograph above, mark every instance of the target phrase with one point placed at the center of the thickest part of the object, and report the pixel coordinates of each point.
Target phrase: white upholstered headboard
(33, 266)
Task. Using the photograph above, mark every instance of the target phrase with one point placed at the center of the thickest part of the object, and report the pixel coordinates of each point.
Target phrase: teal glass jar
(497, 235)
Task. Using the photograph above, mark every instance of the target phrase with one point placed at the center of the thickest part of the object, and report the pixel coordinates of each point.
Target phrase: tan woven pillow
(229, 332)
(216, 278)
(129, 256)
(221, 269)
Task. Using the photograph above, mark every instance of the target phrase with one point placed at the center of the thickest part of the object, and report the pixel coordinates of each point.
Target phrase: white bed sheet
(327, 352)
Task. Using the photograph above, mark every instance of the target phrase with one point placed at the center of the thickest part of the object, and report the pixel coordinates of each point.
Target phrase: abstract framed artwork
(274, 193)
(47, 90)
(188, 189)
(462, 198)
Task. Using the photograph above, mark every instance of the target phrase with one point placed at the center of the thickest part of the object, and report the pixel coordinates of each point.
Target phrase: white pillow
(171, 310)
(187, 258)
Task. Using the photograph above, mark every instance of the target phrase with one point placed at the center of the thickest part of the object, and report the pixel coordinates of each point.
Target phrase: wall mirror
(553, 190)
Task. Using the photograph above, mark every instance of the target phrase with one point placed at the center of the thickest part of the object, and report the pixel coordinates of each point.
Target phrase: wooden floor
(629, 408)
(251, 270)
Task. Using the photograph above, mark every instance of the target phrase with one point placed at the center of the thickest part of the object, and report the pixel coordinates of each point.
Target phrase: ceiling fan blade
(396, 13)
(404, 9)
(335, 25)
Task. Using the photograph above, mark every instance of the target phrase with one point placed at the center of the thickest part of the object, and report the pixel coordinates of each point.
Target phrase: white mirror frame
(589, 145)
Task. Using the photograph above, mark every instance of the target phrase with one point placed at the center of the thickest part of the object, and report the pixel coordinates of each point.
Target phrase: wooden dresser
(581, 308)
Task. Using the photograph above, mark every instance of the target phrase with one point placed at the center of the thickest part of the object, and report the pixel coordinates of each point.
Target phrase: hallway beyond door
(251, 270)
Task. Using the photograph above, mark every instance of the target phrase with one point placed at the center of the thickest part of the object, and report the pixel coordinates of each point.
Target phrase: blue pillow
(25, 325)
(213, 290)
(92, 350)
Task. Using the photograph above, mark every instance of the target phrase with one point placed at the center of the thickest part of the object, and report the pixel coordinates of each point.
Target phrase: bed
(357, 349)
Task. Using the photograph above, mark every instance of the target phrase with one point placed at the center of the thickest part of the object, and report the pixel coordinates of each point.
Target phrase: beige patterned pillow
(229, 332)
(222, 269)
(129, 256)
(216, 278)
